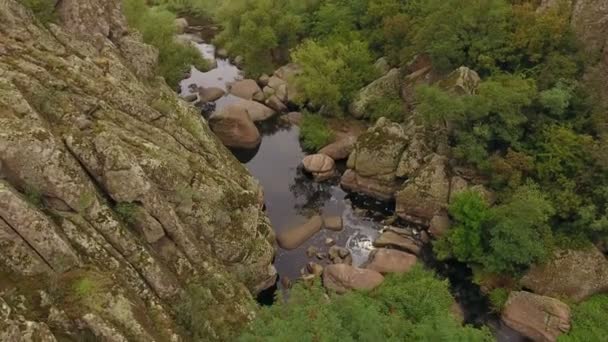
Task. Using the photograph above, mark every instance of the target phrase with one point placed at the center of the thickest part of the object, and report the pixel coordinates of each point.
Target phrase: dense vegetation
(410, 307)
(530, 126)
(157, 26)
(588, 321)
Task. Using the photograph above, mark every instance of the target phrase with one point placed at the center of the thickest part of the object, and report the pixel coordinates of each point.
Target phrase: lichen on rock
(104, 170)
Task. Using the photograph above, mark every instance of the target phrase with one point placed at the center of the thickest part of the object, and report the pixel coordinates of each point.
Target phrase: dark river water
(291, 197)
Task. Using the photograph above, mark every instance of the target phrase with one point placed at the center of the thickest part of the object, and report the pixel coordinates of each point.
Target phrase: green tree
(504, 239)
(158, 29)
(262, 31)
(332, 72)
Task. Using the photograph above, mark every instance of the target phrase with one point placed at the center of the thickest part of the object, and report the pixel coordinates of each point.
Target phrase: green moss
(44, 10)
(33, 196)
(127, 212)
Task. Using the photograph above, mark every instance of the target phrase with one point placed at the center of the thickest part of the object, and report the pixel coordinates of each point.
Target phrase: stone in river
(246, 89)
(321, 166)
(275, 103)
(342, 278)
(398, 238)
(234, 128)
(333, 223)
(386, 260)
(293, 238)
(210, 94)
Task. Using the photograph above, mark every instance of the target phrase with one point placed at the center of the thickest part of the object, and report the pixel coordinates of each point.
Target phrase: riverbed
(291, 197)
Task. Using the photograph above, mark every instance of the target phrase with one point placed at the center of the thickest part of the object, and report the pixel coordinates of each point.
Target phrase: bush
(391, 107)
(498, 298)
(504, 239)
(407, 307)
(333, 71)
(158, 29)
(589, 321)
(314, 133)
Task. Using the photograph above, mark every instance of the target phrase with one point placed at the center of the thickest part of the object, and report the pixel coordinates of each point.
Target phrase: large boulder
(374, 160)
(181, 24)
(247, 89)
(276, 104)
(462, 81)
(572, 274)
(426, 194)
(210, 94)
(234, 127)
(386, 260)
(320, 166)
(342, 278)
(386, 86)
(401, 238)
(294, 237)
(257, 111)
(537, 317)
(340, 149)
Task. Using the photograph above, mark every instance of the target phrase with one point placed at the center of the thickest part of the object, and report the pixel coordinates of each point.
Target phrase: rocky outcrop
(110, 184)
(234, 127)
(342, 278)
(387, 86)
(426, 194)
(572, 274)
(373, 163)
(536, 317)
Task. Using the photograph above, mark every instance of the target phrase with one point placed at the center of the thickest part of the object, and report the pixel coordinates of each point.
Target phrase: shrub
(498, 298)
(589, 321)
(391, 107)
(407, 307)
(44, 10)
(158, 29)
(314, 133)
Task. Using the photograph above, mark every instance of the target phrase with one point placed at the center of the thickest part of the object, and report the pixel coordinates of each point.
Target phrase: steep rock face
(374, 160)
(110, 184)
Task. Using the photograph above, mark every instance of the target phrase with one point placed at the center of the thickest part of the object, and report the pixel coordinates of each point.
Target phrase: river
(291, 197)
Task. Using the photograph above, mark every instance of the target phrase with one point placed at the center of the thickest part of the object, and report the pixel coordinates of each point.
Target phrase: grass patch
(44, 10)
(390, 107)
(33, 196)
(314, 132)
(157, 26)
(127, 212)
(589, 321)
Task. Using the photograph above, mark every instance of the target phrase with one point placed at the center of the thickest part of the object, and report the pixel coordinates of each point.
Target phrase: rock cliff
(117, 204)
